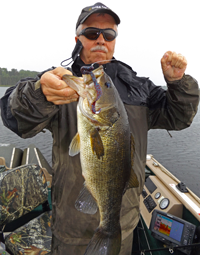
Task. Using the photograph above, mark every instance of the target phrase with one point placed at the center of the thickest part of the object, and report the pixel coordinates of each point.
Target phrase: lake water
(180, 154)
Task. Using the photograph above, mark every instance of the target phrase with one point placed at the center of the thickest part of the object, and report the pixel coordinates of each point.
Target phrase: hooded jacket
(26, 111)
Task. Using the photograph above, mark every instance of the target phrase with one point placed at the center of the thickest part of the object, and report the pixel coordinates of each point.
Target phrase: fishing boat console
(170, 214)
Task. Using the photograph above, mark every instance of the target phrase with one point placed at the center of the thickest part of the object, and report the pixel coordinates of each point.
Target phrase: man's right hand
(55, 89)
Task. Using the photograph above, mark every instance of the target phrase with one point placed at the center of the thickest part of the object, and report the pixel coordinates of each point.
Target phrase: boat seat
(33, 155)
(12, 156)
(32, 238)
(22, 189)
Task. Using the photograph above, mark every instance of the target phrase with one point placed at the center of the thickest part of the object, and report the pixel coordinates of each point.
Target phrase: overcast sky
(36, 35)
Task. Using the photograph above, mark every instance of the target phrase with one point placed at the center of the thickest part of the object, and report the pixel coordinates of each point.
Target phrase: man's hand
(173, 66)
(55, 89)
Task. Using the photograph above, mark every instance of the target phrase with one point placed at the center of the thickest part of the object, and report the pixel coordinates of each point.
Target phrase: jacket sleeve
(24, 108)
(175, 108)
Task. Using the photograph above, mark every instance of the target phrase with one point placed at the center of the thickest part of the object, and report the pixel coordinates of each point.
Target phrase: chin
(101, 61)
(100, 57)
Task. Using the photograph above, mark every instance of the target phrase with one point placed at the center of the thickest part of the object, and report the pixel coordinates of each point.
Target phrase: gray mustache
(98, 47)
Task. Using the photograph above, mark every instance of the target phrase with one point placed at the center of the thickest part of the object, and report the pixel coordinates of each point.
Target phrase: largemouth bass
(106, 148)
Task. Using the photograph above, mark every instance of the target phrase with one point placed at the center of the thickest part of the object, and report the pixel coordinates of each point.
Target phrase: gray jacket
(26, 111)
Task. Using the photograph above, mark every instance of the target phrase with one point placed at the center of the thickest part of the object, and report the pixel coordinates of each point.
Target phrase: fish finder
(172, 230)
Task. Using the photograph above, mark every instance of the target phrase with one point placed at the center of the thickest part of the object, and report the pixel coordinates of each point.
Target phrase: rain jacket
(26, 111)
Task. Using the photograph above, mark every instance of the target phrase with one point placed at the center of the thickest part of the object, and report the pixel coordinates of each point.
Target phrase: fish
(106, 149)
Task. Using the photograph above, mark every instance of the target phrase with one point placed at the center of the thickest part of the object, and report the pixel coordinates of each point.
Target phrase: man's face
(88, 54)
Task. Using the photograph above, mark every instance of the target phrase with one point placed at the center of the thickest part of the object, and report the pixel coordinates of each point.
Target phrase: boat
(169, 211)
(169, 215)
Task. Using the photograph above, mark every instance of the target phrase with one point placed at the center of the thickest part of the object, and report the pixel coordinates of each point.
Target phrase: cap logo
(99, 7)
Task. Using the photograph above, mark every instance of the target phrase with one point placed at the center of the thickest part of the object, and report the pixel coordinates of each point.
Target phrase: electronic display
(172, 230)
(169, 227)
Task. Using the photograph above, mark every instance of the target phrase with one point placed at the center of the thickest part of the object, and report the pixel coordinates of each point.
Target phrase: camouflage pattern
(2, 168)
(33, 238)
(21, 190)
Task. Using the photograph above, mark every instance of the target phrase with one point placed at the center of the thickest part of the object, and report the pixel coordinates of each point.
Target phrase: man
(47, 102)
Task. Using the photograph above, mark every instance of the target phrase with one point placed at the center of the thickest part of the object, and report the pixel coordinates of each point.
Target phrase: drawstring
(65, 61)
(77, 49)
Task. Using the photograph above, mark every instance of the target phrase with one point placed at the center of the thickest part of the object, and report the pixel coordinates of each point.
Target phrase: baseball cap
(96, 8)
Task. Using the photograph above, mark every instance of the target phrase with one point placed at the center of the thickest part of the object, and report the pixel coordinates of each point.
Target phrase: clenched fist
(173, 66)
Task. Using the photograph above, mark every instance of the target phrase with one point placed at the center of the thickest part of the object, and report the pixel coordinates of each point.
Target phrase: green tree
(13, 76)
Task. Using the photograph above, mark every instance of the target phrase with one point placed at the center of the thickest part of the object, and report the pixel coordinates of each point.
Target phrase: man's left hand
(173, 66)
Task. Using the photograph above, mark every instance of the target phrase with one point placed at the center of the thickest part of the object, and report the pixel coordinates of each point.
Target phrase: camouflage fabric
(33, 238)
(2, 168)
(21, 190)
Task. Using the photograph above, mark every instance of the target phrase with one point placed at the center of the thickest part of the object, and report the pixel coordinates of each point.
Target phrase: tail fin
(104, 243)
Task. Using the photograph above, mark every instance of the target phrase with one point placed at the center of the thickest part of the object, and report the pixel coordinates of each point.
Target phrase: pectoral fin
(74, 147)
(96, 143)
(85, 202)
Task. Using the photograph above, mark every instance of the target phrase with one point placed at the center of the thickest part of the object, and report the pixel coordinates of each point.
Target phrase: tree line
(13, 76)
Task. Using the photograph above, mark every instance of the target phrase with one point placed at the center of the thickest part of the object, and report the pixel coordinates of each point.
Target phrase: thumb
(60, 71)
(165, 61)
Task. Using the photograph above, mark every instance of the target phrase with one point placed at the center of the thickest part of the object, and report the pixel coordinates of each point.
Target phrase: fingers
(55, 89)
(54, 78)
(173, 59)
(60, 101)
(61, 90)
(60, 71)
(64, 96)
(60, 96)
(173, 65)
(50, 80)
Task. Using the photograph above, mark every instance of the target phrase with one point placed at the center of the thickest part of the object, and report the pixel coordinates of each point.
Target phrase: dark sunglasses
(92, 33)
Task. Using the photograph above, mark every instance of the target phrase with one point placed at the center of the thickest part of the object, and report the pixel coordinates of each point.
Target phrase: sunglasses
(92, 33)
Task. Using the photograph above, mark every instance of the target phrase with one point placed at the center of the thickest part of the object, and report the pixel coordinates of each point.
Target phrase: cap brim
(117, 20)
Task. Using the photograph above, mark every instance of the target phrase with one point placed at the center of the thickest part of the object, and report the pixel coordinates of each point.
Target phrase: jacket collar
(108, 68)
(122, 75)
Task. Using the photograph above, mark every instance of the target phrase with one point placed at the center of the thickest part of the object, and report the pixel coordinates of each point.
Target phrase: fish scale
(106, 147)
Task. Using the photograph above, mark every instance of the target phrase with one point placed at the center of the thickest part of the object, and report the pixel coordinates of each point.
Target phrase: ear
(76, 39)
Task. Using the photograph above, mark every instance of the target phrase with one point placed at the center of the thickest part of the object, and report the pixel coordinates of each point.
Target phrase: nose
(100, 40)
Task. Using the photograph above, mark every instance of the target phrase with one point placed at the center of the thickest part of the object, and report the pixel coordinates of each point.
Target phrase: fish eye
(108, 85)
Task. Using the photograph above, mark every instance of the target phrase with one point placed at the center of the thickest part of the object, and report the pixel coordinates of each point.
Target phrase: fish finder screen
(169, 227)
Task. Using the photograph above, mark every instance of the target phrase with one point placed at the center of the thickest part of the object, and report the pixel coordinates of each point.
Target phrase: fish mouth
(85, 109)
(94, 91)
(87, 79)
